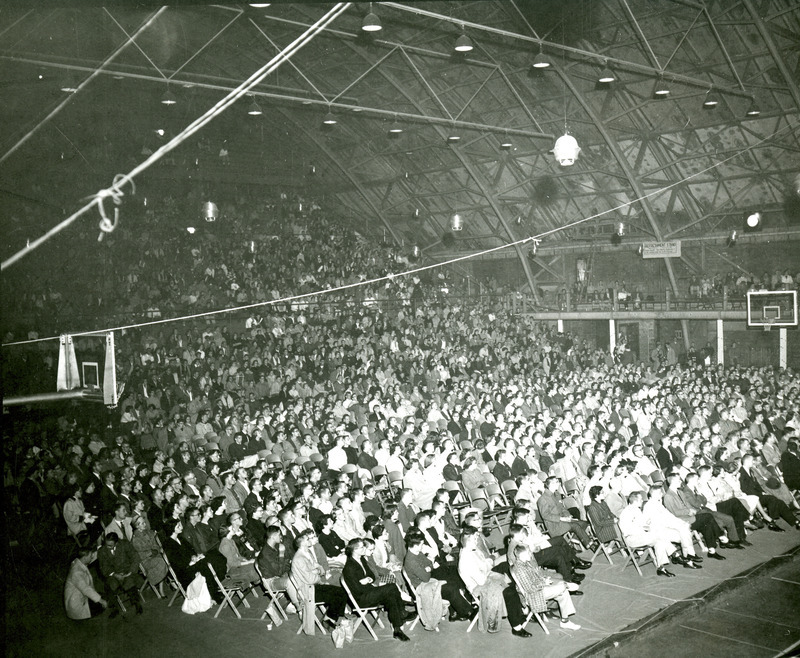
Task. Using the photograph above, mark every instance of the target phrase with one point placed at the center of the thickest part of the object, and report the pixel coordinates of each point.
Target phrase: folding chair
(317, 458)
(288, 457)
(172, 577)
(229, 590)
(274, 459)
(300, 611)
(273, 597)
(412, 590)
(379, 477)
(452, 487)
(157, 590)
(509, 488)
(395, 480)
(374, 610)
(656, 476)
(490, 516)
(608, 548)
(634, 554)
(531, 613)
(466, 445)
(350, 470)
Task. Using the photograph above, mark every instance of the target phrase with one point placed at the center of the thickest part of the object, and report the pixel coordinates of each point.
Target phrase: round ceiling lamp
(753, 220)
(566, 150)
(210, 211)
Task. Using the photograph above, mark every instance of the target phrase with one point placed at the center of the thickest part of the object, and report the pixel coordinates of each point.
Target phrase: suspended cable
(116, 192)
(83, 84)
(535, 239)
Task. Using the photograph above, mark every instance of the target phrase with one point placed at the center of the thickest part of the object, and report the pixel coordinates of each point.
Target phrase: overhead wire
(115, 191)
(535, 239)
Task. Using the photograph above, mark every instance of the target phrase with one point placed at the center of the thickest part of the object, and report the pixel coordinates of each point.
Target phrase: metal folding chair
(412, 590)
(362, 613)
(301, 611)
(230, 590)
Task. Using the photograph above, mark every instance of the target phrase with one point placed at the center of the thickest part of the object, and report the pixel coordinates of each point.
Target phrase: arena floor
(748, 605)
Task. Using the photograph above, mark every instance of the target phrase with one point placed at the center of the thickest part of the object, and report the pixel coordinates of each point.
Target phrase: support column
(720, 342)
(560, 326)
(782, 347)
(612, 335)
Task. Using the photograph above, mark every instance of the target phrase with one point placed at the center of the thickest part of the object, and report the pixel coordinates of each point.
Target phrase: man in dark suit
(108, 497)
(775, 506)
(557, 518)
(419, 569)
(502, 469)
(361, 582)
(119, 565)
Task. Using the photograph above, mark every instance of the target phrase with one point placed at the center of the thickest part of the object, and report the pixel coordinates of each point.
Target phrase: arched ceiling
(668, 167)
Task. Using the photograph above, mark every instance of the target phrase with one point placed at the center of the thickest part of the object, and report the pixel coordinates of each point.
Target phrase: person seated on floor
(81, 599)
(363, 585)
(665, 524)
(699, 520)
(557, 519)
(307, 575)
(493, 590)
(119, 566)
(536, 587)
(639, 531)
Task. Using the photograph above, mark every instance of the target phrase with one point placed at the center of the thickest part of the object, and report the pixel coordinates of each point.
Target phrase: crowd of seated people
(319, 447)
(239, 471)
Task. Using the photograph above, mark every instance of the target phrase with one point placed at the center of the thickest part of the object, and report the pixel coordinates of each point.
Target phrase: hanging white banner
(671, 249)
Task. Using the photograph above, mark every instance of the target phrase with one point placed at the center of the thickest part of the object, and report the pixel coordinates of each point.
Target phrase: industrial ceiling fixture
(453, 138)
(753, 220)
(415, 252)
(254, 110)
(711, 100)
(660, 90)
(416, 213)
(566, 150)
(190, 230)
(210, 211)
(463, 43)
(395, 130)
(620, 229)
(541, 62)
(506, 143)
(732, 238)
(606, 75)
(753, 110)
(456, 222)
(329, 119)
(371, 22)
(168, 98)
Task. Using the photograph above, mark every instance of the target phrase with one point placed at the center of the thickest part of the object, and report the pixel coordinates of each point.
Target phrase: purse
(198, 598)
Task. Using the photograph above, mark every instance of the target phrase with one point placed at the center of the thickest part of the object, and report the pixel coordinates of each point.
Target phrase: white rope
(115, 191)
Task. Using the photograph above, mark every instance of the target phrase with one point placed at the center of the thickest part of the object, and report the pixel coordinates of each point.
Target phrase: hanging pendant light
(254, 110)
(330, 119)
(371, 22)
(566, 150)
(540, 61)
(210, 211)
(753, 110)
(606, 75)
(168, 98)
(660, 90)
(463, 43)
(711, 100)
(456, 222)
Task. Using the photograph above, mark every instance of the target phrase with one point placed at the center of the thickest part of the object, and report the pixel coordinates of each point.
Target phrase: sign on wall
(670, 249)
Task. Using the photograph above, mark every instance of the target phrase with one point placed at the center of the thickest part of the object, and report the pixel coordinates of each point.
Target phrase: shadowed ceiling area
(664, 164)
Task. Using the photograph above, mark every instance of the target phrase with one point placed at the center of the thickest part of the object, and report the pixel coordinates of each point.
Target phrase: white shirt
(337, 458)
